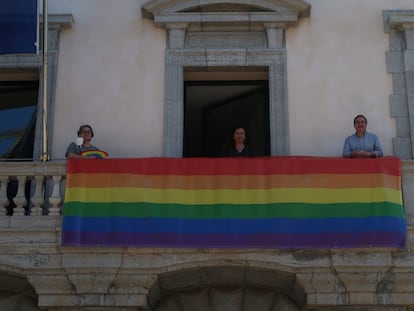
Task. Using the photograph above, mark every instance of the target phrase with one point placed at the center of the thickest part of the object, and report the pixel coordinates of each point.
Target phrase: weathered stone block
(373, 261)
(398, 104)
(409, 38)
(91, 260)
(395, 62)
(409, 60)
(397, 42)
(402, 147)
(403, 127)
(399, 83)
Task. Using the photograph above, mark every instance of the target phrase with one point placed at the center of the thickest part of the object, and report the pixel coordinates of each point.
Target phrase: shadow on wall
(16, 293)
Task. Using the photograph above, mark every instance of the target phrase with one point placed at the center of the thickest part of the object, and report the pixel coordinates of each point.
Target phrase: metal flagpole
(45, 154)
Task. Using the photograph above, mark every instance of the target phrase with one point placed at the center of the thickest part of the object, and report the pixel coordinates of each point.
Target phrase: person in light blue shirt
(362, 144)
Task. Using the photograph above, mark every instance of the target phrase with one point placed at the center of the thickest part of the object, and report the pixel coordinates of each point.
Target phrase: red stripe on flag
(237, 166)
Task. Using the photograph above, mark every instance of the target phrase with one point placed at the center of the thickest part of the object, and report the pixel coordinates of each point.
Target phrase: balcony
(40, 188)
(96, 277)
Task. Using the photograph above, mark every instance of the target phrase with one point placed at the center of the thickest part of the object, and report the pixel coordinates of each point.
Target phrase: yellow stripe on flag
(228, 196)
(234, 181)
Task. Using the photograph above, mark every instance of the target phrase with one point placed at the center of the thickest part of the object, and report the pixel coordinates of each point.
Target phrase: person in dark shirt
(238, 147)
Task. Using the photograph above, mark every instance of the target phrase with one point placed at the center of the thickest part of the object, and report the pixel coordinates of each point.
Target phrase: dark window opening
(213, 109)
(18, 108)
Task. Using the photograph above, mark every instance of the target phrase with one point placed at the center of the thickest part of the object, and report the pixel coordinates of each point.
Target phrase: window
(20, 81)
(213, 109)
(18, 110)
(237, 35)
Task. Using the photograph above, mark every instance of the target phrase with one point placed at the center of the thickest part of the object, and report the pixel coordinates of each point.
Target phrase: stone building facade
(203, 38)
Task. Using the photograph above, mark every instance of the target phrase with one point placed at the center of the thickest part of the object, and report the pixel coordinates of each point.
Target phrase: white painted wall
(111, 75)
(336, 70)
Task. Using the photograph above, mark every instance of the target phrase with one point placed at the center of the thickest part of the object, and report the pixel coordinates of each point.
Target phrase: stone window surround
(270, 22)
(399, 24)
(31, 62)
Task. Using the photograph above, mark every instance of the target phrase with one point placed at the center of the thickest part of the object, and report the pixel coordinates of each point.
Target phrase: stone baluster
(55, 199)
(20, 199)
(3, 194)
(38, 198)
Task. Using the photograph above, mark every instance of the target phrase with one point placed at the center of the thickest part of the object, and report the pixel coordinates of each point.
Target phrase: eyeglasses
(86, 132)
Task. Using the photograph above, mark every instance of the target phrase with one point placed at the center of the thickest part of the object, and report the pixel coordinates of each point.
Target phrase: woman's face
(86, 134)
(239, 135)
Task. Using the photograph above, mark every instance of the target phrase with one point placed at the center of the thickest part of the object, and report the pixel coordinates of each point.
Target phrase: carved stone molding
(400, 63)
(215, 34)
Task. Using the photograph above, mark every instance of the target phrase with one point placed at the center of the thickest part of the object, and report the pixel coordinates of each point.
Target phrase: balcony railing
(38, 188)
(35, 188)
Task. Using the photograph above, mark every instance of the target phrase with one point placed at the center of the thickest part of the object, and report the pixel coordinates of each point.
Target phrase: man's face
(360, 125)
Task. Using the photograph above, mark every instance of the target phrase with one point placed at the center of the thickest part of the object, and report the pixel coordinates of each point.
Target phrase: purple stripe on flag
(322, 240)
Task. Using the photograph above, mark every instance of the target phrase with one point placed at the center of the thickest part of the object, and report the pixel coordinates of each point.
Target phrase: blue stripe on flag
(234, 226)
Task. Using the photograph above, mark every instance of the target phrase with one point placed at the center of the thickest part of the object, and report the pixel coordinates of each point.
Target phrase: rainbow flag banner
(264, 202)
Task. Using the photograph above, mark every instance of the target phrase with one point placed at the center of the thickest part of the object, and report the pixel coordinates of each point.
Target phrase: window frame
(199, 37)
(399, 24)
(27, 63)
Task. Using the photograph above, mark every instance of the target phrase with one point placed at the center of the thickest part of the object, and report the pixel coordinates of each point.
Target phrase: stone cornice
(58, 21)
(231, 17)
(207, 12)
(401, 20)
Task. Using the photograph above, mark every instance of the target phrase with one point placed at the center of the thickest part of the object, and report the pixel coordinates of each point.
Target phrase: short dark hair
(361, 116)
(83, 126)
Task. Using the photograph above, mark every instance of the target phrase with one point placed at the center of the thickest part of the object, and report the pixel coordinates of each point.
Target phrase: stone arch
(213, 35)
(16, 293)
(219, 287)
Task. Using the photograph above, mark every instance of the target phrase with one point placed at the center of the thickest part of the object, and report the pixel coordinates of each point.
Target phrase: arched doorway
(16, 293)
(227, 299)
(227, 288)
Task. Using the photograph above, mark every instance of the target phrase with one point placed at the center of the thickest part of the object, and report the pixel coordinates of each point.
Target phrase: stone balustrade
(36, 188)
